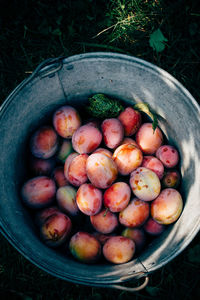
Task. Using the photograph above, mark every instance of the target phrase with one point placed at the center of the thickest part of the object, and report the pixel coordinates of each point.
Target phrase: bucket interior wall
(125, 78)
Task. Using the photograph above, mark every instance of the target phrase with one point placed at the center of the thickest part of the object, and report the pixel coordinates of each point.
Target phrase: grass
(31, 31)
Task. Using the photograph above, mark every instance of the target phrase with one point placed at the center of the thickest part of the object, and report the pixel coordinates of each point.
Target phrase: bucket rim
(111, 55)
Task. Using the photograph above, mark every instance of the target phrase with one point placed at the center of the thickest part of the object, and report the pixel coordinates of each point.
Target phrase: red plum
(117, 197)
(171, 179)
(75, 169)
(113, 132)
(39, 192)
(154, 164)
(104, 222)
(66, 199)
(145, 184)
(89, 199)
(135, 214)
(148, 140)
(167, 207)
(85, 247)
(119, 249)
(168, 155)
(86, 139)
(153, 228)
(66, 121)
(127, 157)
(56, 229)
(131, 120)
(44, 142)
(101, 170)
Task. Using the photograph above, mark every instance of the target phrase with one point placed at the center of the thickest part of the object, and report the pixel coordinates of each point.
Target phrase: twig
(114, 25)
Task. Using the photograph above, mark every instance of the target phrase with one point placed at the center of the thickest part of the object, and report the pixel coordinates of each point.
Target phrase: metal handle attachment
(48, 67)
(131, 289)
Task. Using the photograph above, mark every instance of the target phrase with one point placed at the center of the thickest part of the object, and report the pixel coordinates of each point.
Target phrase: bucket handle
(131, 289)
(51, 65)
(46, 68)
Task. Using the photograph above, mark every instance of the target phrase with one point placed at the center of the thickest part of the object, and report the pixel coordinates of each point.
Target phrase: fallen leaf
(157, 40)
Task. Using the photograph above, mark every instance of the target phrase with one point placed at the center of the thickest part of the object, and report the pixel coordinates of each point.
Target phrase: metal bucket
(71, 80)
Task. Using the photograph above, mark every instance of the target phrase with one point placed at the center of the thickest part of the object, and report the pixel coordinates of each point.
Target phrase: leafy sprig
(101, 106)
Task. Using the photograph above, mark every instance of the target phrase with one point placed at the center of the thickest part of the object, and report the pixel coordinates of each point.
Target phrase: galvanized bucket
(71, 80)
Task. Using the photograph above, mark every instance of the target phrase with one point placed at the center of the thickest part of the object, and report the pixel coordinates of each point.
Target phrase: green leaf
(157, 40)
(144, 107)
(194, 254)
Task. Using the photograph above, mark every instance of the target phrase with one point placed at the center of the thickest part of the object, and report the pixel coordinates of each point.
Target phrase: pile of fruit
(103, 187)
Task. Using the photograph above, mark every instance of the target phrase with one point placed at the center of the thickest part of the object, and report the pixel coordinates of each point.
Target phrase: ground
(166, 33)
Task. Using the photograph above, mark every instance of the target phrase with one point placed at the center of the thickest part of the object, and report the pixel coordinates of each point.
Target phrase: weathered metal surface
(71, 80)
